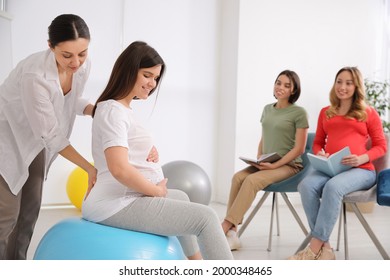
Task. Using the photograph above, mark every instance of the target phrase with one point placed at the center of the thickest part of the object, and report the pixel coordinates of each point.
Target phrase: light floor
(255, 238)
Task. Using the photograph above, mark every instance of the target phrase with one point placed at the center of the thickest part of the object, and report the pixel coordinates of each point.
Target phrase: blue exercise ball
(190, 178)
(78, 239)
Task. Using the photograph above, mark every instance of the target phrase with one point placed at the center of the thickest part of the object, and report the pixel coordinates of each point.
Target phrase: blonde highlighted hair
(359, 105)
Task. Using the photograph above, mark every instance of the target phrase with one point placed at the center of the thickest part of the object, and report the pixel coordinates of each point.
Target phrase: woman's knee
(334, 190)
(178, 195)
(241, 175)
(237, 179)
(255, 183)
(207, 213)
(305, 188)
(301, 188)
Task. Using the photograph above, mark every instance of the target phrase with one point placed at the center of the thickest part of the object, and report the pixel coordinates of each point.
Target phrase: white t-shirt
(115, 125)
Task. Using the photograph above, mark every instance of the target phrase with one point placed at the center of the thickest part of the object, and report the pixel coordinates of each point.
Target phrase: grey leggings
(175, 215)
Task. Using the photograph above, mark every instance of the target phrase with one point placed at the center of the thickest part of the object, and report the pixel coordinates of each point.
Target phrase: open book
(272, 157)
(331, 165)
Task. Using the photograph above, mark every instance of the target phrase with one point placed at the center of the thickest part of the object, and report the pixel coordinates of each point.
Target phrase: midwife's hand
(92, 175)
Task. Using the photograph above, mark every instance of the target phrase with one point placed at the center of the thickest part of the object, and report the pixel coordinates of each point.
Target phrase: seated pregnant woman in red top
(348, 121)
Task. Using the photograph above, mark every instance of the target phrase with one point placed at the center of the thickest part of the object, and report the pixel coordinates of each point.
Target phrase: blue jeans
(322, 196)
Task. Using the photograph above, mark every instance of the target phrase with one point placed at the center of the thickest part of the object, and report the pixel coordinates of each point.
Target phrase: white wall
(5, 45)
(222, 58)
(227, 98)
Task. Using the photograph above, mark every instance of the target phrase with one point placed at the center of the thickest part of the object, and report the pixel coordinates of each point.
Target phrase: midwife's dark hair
(124, 74)
(67, 27)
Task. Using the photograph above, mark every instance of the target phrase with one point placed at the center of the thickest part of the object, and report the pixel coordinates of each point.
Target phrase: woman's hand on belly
(153, 155)
(161, 188)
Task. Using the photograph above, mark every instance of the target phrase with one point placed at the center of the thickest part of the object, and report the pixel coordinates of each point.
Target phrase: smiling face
(283, 88)
(344, 86)
(70, 55)
(146, 81)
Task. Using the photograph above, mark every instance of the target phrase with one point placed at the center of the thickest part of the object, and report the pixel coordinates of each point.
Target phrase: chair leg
(271, 222)
(346, 252)
(368, 229)
(294, 212)
(339, 230)
(275, 204)
(252, 214)
(277, 214)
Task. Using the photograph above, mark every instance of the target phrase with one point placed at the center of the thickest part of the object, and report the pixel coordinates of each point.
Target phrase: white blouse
(32, 113)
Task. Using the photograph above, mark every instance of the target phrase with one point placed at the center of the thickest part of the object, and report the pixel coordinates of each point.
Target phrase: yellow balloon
(77, 186)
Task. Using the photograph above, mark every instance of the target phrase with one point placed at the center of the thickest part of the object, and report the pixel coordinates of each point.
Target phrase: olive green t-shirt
(279, 128)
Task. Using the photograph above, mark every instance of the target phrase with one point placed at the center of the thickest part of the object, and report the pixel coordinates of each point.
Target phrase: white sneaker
(233, 240)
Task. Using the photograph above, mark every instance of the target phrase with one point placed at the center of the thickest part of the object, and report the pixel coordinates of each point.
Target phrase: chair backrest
(291, 184)
(383, 162)
(382, 166)
(383, 188)
(371, 194)
(308, 149)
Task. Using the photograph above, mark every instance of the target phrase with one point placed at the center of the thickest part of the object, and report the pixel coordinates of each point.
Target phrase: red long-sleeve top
(338, 132)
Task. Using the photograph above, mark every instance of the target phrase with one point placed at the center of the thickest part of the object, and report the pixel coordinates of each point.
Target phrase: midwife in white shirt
(38, 105)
